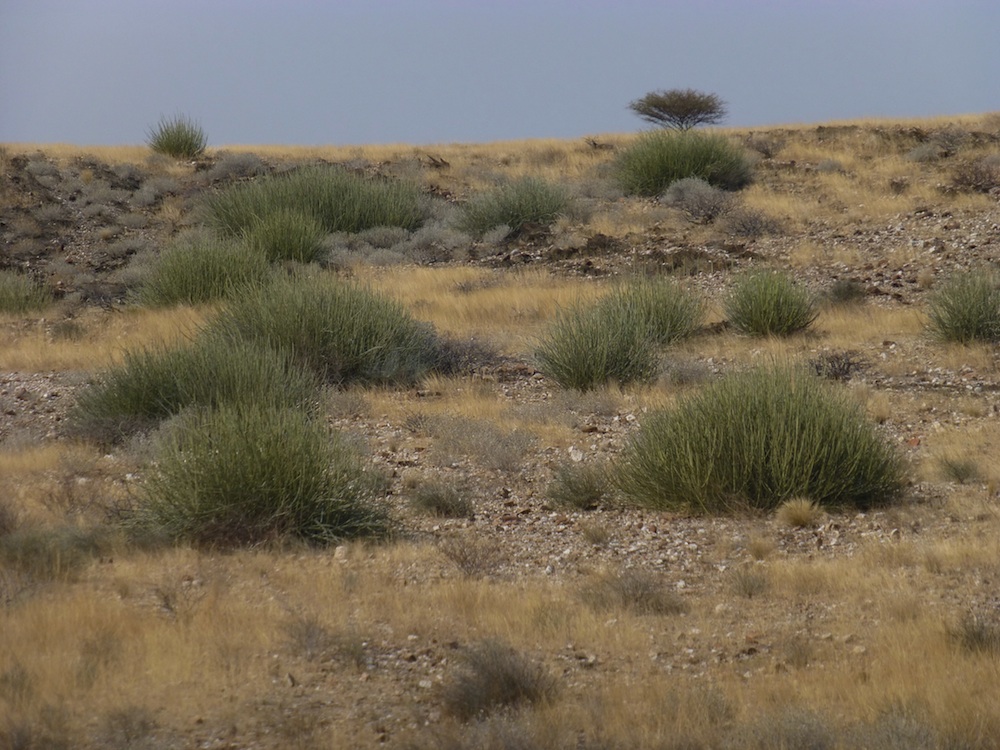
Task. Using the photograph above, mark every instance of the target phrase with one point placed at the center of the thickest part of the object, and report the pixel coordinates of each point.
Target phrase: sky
(306, 72)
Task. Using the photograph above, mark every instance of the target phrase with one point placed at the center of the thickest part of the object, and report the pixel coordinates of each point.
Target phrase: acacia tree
(680, 109)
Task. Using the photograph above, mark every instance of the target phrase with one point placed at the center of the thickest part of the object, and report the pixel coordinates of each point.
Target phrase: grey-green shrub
(756, 439)
(153, 384)
(339, 200)
(248, 474)
(587, 348)
(178, 136)
(203, 270)
(583, 486)
(770, 304)
(663, 309)
(701, 202)
(286, 234)
(515, 204)
(966, 308)
(659, 158)
(20, 294)
(342, 331)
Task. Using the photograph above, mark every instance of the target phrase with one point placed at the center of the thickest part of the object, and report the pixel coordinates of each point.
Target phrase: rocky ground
(76, 224)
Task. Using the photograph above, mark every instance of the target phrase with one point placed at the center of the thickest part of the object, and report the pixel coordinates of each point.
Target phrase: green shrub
(662, 309)
(343, 332)
(769, 304)
(756, 439)
(19, 294)
(203, 270)
(286, 234)
(153, 384)
(661, 157)
(966, 308)
(339, 200)
(514, 205)
(248, 473)
(178, 136)
(587, 348)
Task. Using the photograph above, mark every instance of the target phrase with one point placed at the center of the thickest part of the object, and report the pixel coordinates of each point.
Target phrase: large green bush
(152, 384)
(756, 439)
(966, 308)
(659, 158)
(178, 136)
(515, 204)
(248, 473)
(341, 201)
(202, 270)
(770, 304)
(342, 331)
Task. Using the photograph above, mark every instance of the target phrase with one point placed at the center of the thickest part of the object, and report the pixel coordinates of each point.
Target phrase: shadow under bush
(245, 474)
(343, 332)
(153, 384)
(659, 158)
(756, 439)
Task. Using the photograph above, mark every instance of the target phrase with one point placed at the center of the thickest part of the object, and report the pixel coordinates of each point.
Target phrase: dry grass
(770, 633)
(101, 340)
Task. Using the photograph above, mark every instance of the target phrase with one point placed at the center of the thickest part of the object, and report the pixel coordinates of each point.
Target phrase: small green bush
(339, 200)
(200, 271)
(966, 308)
(286, 234)
(178, 136)
(587, 348)
(770, 304)
(153, 384)
(756, 439)
(661, 157)
(661, 308)
(19, 294)
(526, 201)
(341, 331)
(247, 474)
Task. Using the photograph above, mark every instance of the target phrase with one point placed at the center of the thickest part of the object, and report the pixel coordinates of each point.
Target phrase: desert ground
(635, 627)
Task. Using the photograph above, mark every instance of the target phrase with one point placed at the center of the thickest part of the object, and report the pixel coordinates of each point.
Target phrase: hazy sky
(439, 71)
